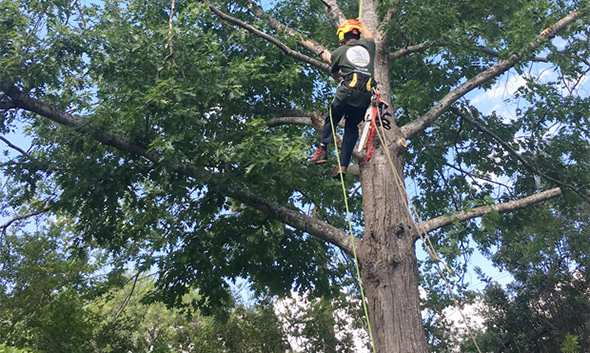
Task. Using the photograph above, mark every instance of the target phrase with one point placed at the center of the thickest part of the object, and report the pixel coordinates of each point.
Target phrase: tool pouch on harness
(359, 84)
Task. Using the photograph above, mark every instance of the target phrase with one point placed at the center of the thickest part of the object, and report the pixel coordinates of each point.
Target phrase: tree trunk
(387, 259)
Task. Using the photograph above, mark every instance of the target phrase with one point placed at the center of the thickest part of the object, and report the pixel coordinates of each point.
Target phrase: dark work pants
(351, 130)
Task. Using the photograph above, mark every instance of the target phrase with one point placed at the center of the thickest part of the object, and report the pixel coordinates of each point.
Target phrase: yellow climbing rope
(356, 263)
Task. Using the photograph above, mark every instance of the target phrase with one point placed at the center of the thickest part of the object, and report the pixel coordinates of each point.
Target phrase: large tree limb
(439, 108)
(310, 225)
(6, 105)
(288, 51)
(80, 125)
(515, 205)
(307, 43)
(296, 219)
(333, 11)
(426, 45)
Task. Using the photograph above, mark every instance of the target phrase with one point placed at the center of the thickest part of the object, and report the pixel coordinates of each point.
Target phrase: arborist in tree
(353, 66)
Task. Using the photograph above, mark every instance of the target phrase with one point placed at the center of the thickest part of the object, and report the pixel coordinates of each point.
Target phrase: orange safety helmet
(348, 26)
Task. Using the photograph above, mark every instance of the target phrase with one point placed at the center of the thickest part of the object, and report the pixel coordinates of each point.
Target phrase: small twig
(170, 55)
(475, 177)
(5, 226)
(23, 152)
(128, 297)
(578, 81)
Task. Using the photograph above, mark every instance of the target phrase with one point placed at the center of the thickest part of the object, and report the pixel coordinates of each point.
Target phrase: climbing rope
(356, 263)
(360, 8)
(421, 231)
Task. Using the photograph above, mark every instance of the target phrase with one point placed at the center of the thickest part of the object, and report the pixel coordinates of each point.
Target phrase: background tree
(54, 300)
(548, 300)
(43, 294)
(176, 134)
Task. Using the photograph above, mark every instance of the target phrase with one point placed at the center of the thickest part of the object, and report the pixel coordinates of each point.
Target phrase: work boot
(320, 156)
(337, 171)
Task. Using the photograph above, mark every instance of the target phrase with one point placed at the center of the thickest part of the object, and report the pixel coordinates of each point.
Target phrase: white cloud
(500, 90)
(495, 98)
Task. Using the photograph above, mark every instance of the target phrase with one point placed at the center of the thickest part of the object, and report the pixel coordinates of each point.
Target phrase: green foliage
(570, 344)
(51, 301)
(548, 299)
(202, 92)
(7, 349)
(44, 290)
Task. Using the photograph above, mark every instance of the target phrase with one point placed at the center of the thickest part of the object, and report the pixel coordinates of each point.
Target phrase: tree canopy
(174, 135)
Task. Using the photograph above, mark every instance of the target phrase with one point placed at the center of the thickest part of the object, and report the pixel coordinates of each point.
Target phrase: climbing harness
(378, 107)
(359, 82)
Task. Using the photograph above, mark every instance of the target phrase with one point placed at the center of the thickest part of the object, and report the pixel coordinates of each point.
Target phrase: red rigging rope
(370, 145)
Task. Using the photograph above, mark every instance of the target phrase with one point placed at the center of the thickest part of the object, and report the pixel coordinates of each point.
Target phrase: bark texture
(388, 262)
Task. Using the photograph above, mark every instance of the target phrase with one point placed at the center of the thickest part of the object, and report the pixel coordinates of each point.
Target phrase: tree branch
(411, 49)
(309, 44)
(5, 226)
(84, 127)
(285, 111)
(290, 120)
(20, 150)
(333, 11)
(288, 51)
(495, 54)
(475, 177)
(522, 160)
(315, 227)
(296, 219)
(515, 205)
(7, 105)
(389, 14)
(439, 108)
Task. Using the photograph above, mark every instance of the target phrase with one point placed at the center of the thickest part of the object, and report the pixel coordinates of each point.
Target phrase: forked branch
(333, 11)
(515, 205)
